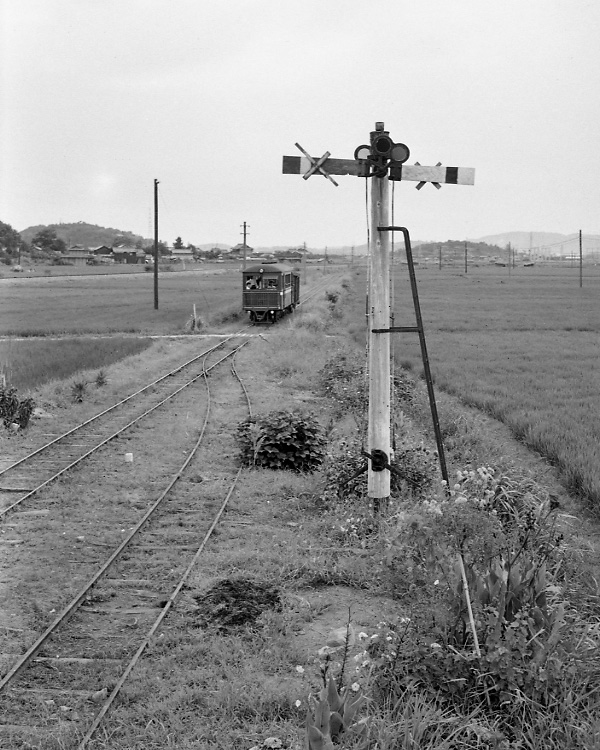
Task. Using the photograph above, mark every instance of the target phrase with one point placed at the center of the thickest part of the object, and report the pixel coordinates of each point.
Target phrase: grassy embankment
(522, 348)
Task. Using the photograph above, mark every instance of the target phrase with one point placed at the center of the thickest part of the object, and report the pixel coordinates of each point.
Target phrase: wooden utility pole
(244, 232)
(379, 422)
(466, 269)
(156, 244)
(382, 160)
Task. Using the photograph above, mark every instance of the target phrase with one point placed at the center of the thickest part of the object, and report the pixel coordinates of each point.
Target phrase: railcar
(270, 290)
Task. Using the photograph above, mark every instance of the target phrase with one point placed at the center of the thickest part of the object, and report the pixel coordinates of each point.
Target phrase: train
(270, 290)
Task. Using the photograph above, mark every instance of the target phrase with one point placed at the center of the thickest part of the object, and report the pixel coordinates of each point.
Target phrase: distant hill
(87, 235)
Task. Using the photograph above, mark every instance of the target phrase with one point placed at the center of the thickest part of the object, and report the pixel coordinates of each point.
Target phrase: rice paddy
(523, 348)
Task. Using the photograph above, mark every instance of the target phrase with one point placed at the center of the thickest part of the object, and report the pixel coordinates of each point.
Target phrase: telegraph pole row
(383, 160)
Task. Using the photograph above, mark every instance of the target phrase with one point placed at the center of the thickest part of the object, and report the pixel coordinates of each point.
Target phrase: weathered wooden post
(379, 421)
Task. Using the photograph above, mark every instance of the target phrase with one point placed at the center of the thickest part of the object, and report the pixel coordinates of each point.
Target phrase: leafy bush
(282, 440)
(14, 410)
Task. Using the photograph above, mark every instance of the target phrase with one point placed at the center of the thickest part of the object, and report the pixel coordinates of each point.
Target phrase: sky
(98, 98)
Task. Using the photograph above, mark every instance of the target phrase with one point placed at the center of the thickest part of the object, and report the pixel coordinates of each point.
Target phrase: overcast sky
(100, 97)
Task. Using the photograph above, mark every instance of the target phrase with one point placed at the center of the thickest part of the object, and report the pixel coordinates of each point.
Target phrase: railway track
(123, 575)
(27, 476)
(64, 684)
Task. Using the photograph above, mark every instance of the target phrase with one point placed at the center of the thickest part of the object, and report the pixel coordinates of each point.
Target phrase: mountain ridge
(93, 235)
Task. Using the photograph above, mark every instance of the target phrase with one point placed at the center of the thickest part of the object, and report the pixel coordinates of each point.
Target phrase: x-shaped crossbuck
(316, 165)
(422, 183)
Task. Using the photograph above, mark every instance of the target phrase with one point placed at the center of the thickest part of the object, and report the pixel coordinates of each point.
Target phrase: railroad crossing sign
(307, 165)
(316, 165)
(383, 160)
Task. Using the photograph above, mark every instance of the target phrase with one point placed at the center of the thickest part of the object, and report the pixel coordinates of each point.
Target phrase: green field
(98, 304)
(524, 348)
(29, 363)
(34, 310)
(113, 303)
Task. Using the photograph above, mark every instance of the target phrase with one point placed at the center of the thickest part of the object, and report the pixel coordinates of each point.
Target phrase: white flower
(436, 582)
(362, 636)
(298, 704)
(355, 687)
(299, 669)
(435, 645)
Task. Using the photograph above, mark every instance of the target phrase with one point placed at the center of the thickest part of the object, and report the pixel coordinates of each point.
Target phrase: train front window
(288, 280)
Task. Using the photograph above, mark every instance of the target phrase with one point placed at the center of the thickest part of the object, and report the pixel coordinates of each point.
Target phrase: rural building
(182, 254)
(75, 258)
(128, 255)
(101, 250)
(242, 250)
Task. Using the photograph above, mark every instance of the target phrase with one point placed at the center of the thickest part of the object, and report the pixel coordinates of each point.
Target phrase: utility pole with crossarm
(383, 160)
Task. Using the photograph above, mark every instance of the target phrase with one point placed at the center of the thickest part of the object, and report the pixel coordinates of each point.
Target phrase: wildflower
(436, 582)
(355, 687)
(362, 636)
(298, 704)
(435, 645)
(299, 669)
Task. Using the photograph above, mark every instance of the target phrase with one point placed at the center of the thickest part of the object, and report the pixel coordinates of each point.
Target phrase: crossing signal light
(382, 152)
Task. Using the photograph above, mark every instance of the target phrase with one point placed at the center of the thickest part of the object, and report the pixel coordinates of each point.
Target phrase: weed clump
(101, 379)
(79, 391)
(282, 440)
(490, 628)
(14, 410)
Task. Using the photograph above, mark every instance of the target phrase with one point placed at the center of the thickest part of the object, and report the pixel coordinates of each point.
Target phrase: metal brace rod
(424, 356)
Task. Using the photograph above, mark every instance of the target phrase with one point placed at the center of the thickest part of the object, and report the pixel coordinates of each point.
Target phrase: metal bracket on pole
(424, 356)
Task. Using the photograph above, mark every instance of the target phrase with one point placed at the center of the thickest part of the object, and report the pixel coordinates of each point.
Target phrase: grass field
(524, 348)
(105, 304)
(32, 362)
(101, 304)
